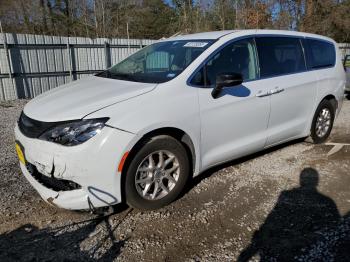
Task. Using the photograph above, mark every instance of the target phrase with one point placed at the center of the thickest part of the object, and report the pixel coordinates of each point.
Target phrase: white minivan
(140, 130)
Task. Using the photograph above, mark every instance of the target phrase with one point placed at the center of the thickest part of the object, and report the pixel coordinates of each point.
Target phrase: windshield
(159, 62)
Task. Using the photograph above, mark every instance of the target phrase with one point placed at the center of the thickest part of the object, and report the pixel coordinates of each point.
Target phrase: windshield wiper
(109, 74)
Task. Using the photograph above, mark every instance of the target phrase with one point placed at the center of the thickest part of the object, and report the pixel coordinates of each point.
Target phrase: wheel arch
(332, 99)
(332, 102)
(174, 132)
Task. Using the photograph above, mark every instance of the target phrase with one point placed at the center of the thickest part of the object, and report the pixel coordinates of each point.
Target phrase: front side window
(320, 54)
(159, 62)
(279, 56)
(237, 57)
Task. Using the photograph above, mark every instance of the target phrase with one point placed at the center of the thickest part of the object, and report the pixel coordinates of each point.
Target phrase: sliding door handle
(276, 90)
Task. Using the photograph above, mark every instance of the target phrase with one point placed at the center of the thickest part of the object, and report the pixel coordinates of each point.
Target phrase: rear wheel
(322, 123)
(157, 174)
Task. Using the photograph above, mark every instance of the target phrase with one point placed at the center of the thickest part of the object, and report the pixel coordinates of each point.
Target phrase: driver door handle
(263, 93)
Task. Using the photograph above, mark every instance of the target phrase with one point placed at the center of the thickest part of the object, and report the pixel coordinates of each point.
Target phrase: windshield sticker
(195, 44)
(170, 75)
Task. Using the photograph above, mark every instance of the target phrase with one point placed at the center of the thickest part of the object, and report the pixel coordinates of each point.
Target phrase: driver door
(235, 123)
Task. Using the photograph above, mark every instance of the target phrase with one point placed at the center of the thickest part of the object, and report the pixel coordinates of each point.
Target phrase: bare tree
(157, 18)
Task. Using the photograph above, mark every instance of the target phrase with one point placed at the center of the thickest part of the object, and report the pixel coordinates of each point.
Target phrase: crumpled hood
(77, 99)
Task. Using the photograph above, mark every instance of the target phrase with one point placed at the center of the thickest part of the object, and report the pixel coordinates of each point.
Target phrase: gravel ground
(288, 203)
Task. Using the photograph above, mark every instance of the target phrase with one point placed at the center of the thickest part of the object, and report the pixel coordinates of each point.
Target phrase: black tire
(320, 139)
(155, 144)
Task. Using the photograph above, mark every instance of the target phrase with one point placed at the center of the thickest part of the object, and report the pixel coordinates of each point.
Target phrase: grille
(51, 182)
(32, 128)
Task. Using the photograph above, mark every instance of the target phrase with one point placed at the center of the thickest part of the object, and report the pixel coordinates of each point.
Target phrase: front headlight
(75, 132)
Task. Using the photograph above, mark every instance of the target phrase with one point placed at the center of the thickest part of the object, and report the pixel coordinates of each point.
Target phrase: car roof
(205, 35)
(218, 34)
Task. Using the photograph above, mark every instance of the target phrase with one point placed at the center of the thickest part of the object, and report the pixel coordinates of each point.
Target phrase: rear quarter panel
(331, 81)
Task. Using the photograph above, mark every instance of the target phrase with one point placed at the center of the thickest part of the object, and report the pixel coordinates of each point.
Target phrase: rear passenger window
(319, 54)
(279, 56)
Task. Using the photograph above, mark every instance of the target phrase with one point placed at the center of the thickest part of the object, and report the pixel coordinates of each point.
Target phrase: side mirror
(346, 63)
(226, 80)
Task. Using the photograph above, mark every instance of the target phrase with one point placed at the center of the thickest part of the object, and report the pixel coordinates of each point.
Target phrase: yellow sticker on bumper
(20, 154)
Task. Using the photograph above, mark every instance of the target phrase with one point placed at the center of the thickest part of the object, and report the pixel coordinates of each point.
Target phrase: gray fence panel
(344, 49)
(33, 64)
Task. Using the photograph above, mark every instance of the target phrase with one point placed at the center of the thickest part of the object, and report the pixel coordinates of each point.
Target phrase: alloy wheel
(157, 175)
(323, 122)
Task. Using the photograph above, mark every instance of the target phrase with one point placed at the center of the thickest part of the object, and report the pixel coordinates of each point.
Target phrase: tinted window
(198, 78)
(237, 57)
(320, 54)
(280, 55)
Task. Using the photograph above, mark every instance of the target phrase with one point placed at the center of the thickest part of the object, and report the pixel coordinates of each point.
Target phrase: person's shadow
(295, 222)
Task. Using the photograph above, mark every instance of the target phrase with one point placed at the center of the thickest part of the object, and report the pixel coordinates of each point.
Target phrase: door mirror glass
(226, 80)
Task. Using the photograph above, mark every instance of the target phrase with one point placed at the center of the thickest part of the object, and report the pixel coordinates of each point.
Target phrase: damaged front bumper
(74, 199)
(79, 177)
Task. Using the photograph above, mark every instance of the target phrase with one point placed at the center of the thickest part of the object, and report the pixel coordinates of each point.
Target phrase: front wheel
(322, 123)
(157, 174)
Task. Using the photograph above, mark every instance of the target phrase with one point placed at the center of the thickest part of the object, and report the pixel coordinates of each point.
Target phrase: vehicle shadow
(347, 95)
(238, 91)
(196, 180)
(72, 242)
(304, 225)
